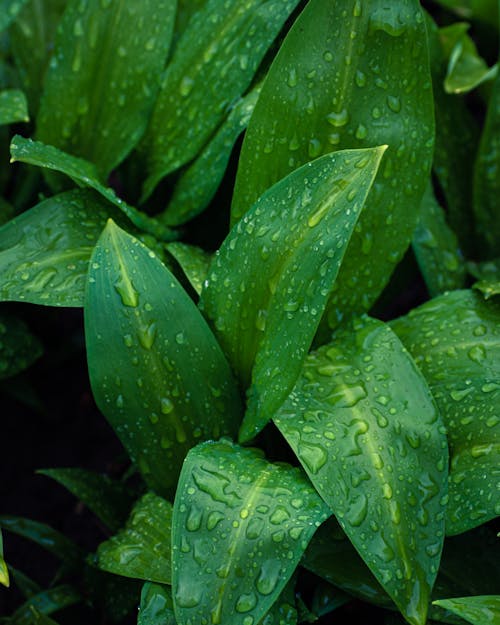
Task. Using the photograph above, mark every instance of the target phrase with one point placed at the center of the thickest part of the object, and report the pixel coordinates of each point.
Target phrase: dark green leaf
(45, 251)
(484, 10)
(213, 64)
(38, 618)
(13, 107)
(455, 340)
(194, 262)
(108, 499)
(488, 275)
(141, 348)
(82, 173)
(4, 571)
(142, 549)
(436, 248)
(117, 596)
(483, 610)
(103, 78)
(269, 284)
(46, 602)
(283, 611)
(8, 11)
(240, 526)
(156, 606)
(26, 585)
(349, 75)
(328, 598)
(18, 347)
(363, 424)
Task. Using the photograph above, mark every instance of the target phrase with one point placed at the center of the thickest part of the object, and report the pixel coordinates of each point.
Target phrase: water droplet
(186, 86)
(357, 511)
(127, 292)
(213, 519)
(180, 338)
(477, 353)
(246, 602)
(280, 515)
(459, 394)
(387, 491)
(268, 577)
(338, 119)
(119, 401)
(166, 405)
(394, 103)
(194, 518)
(312, 455)
(292, 77)
(147, 335)
(361, 132)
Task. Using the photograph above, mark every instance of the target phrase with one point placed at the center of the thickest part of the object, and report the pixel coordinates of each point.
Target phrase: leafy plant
(295, 336)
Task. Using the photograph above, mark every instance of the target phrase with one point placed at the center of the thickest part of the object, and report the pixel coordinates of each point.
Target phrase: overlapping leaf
(142, 346)
(483, 610)
(455, 340)
(269, 284)
(156, 606)
(240, 526)
(18, 347)
(349, 75)
(193, 261)
(13, 107)
(45, 603)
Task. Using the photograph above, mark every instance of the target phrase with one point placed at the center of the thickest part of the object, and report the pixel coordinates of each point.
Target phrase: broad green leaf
(436, 248)
(194, 262)
(213, 64)
(4, 571)
(349, 75)
(240, 526)
(142, 347)
(269, 284)
(487, 178)
(199, 182)
(483, 610)
(13, 107)
(103, 77)
(45, 251)
(8, 11)
(108, 499)
(142, 549)
(156, 606)
(455, 340)
(83, 174)
(185, 11)
(43, 535)
(45, 602)
(18, 347)
(364, 426)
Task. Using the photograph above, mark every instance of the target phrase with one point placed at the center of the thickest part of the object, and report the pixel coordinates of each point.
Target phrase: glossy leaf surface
(108, 499)
(349, 75)
(364, 426)
(141, 347)
(156, 606)
(18, 347)
(103, 77)
(142, 549)
(8, 11)
(45, 251)
(46, 602)
(4, 571)
(213, 64)
(455, 340)
(240, 526)
(13, 107)
(269, 284)
(194, 262)
(284, 610)
(436, 248)
(483, 610)
(82, 173)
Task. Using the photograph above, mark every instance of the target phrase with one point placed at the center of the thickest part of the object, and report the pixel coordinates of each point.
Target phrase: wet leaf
(13, 107)
(46, 602)
(142, 549)
(349, 76)
(141, 347)
(8, 11)
(194, 262)
(108, 499)
(364, 426)
(103, 78)
(455, 340)
(476, 610)
(488, 274)
(436, 248)
(18, 347)
(83, 174)
(156, 606)
(4, 571)
(199, 182)
(270, 281)
(240, 526)
(45, 251)
(284, 610)
(213, 64)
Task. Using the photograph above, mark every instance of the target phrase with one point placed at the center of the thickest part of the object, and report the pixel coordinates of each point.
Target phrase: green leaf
(328, 598)
(103, 78)
(436, 248)
(199, 182)
(487, 178)
(476, 610)
(38, 618)
(4, 571)
(46, 602)
(364, 426)
(116, 596)
(13, 107)
(18, 347)
(26, 585)
(483, 10)
(141, 347)
(488, 274)
(349, 76)
(108, 499)
(84, 174)
(142, 549)
(156, 606)
(194, 262)
(283, 611)
(8, 11)
(45, 251)
(221, 48)
(240, 526)
(455, 340)
(43, 535)
(270, 281)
